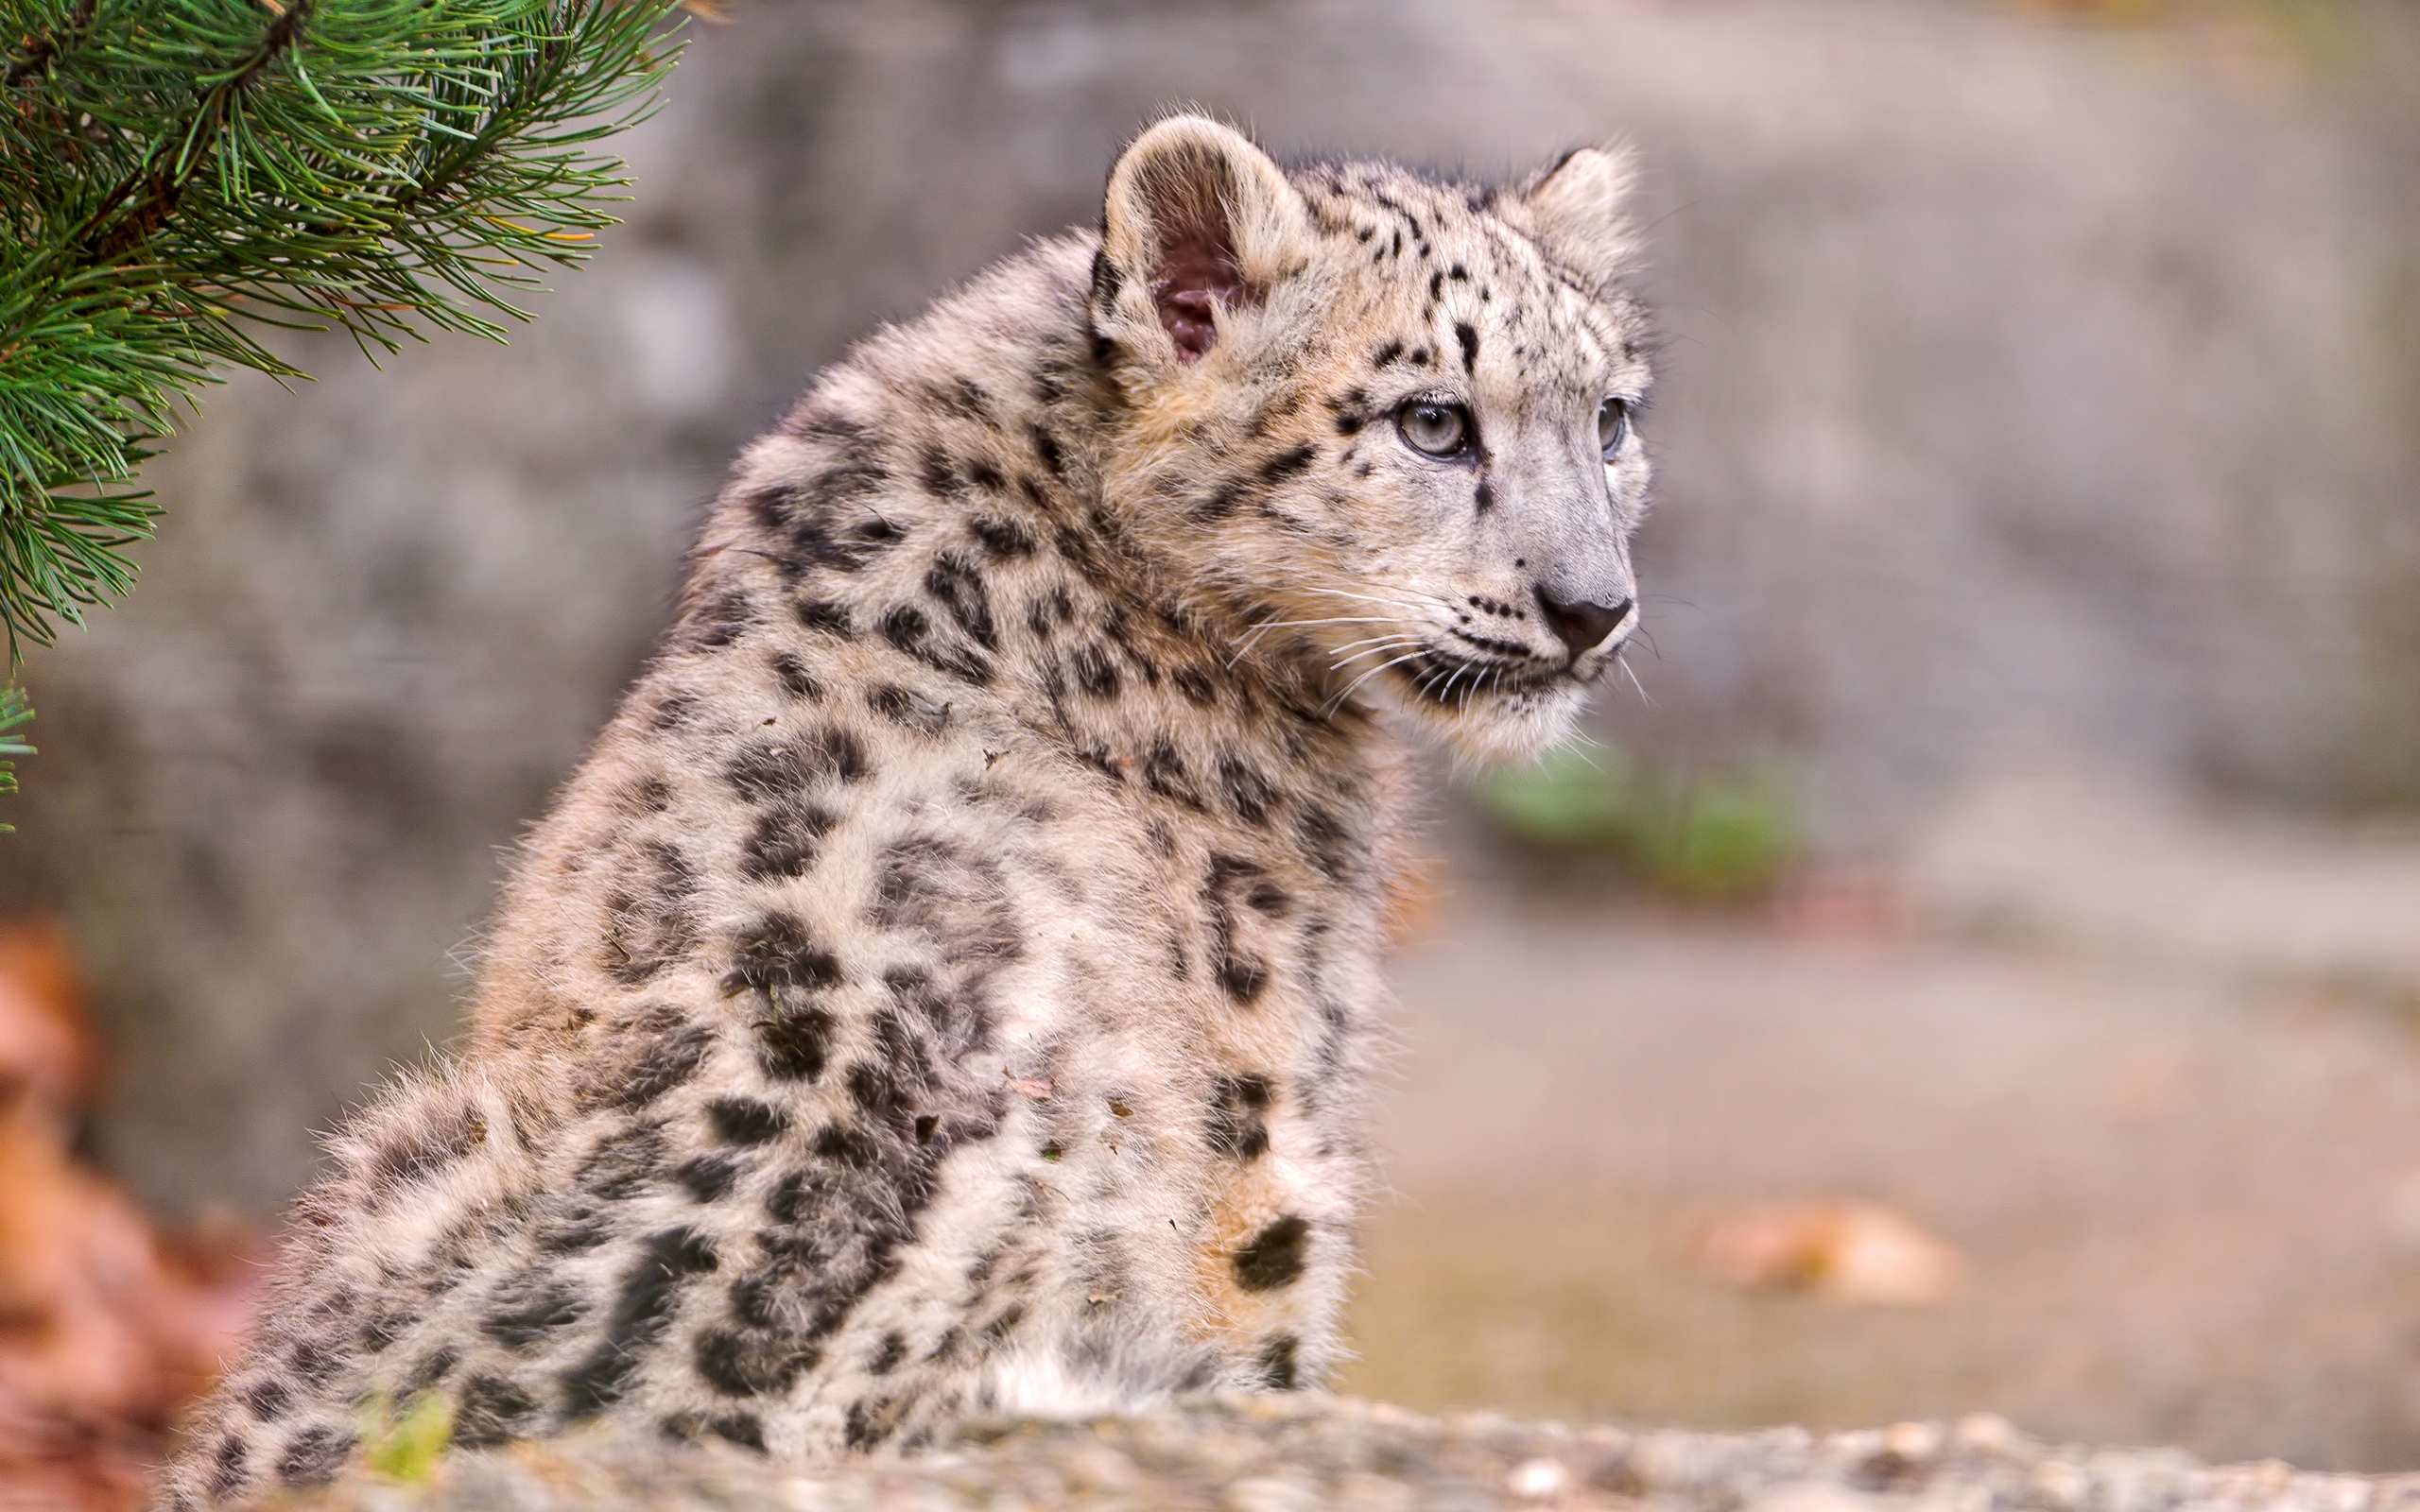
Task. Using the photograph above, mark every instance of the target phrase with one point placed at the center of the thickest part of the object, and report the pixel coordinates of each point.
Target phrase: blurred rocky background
(1980, 973)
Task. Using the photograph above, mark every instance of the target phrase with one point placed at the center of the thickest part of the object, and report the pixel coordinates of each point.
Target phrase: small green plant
(14, 714)
(1709, 834)
(405, 1445)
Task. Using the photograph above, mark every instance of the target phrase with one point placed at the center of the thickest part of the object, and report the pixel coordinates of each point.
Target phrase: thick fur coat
(948, 984)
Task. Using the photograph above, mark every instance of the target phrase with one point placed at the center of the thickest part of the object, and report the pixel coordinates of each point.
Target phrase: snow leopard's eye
(1437, 429)
(1613, 426)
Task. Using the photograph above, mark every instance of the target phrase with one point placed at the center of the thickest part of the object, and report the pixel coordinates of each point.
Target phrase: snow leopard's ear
(1577, 210)
(1198, 224)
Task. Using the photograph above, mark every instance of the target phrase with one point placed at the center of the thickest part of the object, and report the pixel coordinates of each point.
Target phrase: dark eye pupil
(1612, 423)
(1436, 429)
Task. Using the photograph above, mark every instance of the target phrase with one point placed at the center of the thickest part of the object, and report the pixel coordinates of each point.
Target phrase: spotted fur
(947, 985)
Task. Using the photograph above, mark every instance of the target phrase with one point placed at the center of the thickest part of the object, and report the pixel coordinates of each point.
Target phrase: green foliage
(14, 714)
(405, 1445)
(178, 175)
(1706, 835)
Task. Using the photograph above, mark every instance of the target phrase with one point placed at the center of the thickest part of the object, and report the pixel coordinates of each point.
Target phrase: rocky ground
(1291, 1454)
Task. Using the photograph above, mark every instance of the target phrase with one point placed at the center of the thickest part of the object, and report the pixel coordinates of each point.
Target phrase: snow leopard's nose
(1581, 626)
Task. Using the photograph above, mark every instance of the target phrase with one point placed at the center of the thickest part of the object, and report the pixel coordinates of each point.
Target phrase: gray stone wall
(2025, 384)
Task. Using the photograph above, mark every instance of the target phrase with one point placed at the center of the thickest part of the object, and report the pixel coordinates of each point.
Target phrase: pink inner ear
(1197, 265)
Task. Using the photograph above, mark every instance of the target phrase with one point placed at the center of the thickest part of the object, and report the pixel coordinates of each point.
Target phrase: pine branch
(176, 175)
(14, 714)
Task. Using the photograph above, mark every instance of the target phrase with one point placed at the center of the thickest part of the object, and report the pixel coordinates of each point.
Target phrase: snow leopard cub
(946, 986)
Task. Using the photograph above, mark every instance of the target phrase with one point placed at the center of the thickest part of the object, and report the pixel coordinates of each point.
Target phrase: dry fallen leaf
(106, 1328)
(1860, 1254)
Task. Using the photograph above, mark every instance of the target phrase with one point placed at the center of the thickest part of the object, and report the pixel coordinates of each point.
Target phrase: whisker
(1338, 702)
(1252, 637)
(1634, 680)
(1378, 643)
(1371, 639)
(1341, 662)
(1369, 598)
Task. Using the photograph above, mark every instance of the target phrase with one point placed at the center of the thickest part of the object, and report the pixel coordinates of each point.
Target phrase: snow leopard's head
(1391, 420)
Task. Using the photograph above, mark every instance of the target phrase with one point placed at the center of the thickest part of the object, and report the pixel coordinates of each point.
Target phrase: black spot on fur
(1238, 1128)
(826, 616)
(529, 1308)
(907, 709)
(1252, 795)
(908, 629)
(716, 621)
(1483, 497)
(1096, 672)
(265, 1398)
(491, 1410)
(1469, 340)
(789, 763)
(937, 473)
(1048, 611)
(744, 1428)
(649, 923)
(623, 1163)
(1275, 1257)
(795, 679)
(1046, 446)
(1287, 463)
(434, 1368)
(662, 1062)
(1386, 354)
(1324, 839)
(674, 710)
(313, 1456)
(1005, 540)
(1278, 1371)
(1072, 545)
(708, 1177)
(836, 1143)
(412, 1152)
(886, 1359)
(785, 841)
(229, 1468)
(641, 1310)
(1164, 773)
(745, 1121)
(1218, 503)
(867, 1426)
(648, 795)
(956, 583)
(574, 1232)
(808, 519)
(755, 1363)
(794, 1046)
(775, 954)
(1196, 685)
(1242, 973)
